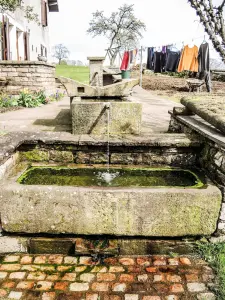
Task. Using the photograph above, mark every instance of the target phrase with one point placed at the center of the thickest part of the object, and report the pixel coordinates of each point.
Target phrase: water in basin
(116, 177)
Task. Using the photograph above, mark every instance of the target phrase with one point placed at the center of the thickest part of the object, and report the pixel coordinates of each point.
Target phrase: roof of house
(53, 5)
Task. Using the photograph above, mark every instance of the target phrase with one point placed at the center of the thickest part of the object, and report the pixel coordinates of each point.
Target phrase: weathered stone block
(35, 155)
(61, 156)
(51, 246)
(166, 212)
(126, 158)
(98, 158)
(24, 70)
(93, 117)
(82, 158)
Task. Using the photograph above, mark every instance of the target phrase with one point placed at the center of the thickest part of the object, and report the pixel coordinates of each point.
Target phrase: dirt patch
(174, 88)
(7, 109)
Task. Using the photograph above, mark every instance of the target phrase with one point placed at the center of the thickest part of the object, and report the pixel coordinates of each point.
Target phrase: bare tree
(212, 18)
(122, 29)
(60, 52)
(12, 5)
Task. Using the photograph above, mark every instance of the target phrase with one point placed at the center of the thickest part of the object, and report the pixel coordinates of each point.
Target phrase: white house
(23, 39)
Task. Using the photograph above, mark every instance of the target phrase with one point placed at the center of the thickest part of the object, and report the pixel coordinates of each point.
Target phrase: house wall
(38, 35)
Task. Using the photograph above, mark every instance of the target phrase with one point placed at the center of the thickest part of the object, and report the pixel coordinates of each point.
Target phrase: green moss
(125, 177)
(35, 155)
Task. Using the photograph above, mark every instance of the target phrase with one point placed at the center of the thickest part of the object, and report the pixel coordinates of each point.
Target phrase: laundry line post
(141, 66)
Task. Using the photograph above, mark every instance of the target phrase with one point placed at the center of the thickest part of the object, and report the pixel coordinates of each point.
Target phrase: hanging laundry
(189, 59)
(125, 61)
(150, 59)
(135, 53)
(163, 58)
(158, 62)
(204, 65)
(172, 60)
(164, 49)
(131, 54)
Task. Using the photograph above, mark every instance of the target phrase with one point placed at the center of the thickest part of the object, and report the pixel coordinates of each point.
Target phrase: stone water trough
(96, 105)
(155, 208)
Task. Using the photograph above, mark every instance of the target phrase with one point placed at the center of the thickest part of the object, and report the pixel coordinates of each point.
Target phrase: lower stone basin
(190, 208)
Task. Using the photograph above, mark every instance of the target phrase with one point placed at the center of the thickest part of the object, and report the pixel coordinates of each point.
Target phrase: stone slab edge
(11, 141)
(25, 63)
(202, 128)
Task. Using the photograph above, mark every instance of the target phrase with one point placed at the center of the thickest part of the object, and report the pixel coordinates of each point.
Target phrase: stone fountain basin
(152, 212)
(91, 116)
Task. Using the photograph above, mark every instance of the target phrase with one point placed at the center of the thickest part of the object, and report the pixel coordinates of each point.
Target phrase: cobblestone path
(51, 277)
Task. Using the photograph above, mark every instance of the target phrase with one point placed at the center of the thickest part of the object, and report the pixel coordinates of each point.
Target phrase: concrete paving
(56, 116)
(155, 110)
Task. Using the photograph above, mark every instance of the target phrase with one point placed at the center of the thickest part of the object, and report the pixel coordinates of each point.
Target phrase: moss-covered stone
(61, 156)
(51, 246)
(35, 155)
(152, 212)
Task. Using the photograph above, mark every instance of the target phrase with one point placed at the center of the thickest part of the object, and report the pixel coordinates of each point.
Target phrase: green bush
(7, 101)
(34, 99)
(29, 99)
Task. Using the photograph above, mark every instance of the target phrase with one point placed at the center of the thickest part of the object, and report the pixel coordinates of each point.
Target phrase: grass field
(77, 73)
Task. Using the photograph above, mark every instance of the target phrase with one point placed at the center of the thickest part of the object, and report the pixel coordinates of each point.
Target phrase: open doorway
(26, 46)
(5, 38)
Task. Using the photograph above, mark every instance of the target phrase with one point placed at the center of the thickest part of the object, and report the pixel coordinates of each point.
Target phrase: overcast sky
(167, 21)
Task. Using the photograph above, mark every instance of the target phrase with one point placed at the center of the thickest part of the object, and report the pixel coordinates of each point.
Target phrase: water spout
(108, 176)
(107, 106)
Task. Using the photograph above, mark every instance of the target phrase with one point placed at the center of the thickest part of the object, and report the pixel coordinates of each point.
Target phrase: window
(44, 13)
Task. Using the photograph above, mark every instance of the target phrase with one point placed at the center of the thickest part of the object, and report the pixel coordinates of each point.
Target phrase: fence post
(141, 67)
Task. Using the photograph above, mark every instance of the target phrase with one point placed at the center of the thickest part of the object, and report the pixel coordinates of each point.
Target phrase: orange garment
(189, 59)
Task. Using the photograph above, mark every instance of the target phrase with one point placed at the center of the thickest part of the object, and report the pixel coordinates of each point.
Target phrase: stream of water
(108, 176)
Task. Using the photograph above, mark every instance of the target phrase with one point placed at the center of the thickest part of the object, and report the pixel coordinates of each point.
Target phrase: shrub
(29, 99)
(7, 101)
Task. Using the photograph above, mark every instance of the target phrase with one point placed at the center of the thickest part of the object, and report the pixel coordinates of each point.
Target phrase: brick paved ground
(124, 278)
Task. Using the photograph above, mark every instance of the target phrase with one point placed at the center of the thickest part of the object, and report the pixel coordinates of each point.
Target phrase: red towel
(125, 61)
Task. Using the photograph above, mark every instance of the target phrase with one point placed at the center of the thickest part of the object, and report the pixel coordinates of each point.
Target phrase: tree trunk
(113, 57)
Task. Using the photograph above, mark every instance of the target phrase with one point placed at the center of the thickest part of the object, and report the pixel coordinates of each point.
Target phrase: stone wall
(212, 159)
(35, 76)
(167, 155)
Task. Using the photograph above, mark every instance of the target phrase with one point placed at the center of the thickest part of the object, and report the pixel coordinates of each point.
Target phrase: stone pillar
(96, 70)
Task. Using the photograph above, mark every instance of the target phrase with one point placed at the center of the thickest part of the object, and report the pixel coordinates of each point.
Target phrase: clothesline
(174, 43)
